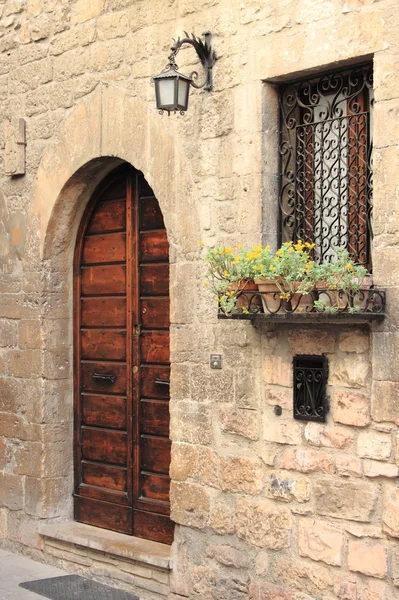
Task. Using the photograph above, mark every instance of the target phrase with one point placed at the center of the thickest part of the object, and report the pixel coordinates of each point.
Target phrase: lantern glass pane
(166, 92)
(182, 99)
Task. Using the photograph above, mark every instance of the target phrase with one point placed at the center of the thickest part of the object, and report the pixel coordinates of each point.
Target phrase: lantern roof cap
(171, 73)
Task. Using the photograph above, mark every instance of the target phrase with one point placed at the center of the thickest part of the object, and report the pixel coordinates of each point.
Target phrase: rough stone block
(112, 25)
(391, 512)
(84, 10)
(306, 341)
(348, 466)
(239, 474)
(281, 429)
(277, 370)
(354, 340)
(11, 491)
(279, 396)
(367, 557)
(29, 335)
(261, 523)
(319, 540)
(228, 555)
(208, 466)
(301, 577)
(191, 423)
(372, 444)
(307, 461)
(330, 437)
(345, 500)
(190, 504)
(385, 401)
(240, 422)
(184, 462)
(352, 370)
(279, 486)
(25, 363)
(28, 459)
(3, 523)
(8, 333)
(350, 408)
(222, 516)
(374, 468)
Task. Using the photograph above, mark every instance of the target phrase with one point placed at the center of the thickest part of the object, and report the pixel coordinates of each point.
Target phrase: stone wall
(267, 508)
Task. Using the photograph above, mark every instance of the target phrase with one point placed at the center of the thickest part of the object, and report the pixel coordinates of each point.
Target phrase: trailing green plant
(343, 274)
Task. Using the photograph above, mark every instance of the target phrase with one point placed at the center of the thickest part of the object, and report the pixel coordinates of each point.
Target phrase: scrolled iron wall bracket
(205, 54)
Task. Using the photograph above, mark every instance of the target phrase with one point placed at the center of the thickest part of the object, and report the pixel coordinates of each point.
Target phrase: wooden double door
(121, 313)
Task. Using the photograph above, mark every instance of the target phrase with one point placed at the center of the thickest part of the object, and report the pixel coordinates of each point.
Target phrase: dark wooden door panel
(154, 245)
(103, 280)
(104, 411)
(149, 376)
(90, 383)
(114, 478)
(155, 487)
(109, 216)
(104, 514)
(155, 312)
(153, 526)
(110, 312)
(154, 279)
(155, 417)
(104, 446)
(105, 248)
(105, 344)
(150, 214)
(155, 346)
(155, 454)
(122, 448)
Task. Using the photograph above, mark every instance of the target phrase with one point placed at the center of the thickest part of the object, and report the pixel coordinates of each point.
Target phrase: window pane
(325, 148)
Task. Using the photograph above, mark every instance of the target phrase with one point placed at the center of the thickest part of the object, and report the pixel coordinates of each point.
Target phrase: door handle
(162, 382)
(104, 377)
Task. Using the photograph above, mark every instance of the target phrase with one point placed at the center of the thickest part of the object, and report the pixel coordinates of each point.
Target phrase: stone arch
(104, 130)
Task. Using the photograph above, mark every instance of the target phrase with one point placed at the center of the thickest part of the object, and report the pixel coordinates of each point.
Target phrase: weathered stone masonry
(267, 508)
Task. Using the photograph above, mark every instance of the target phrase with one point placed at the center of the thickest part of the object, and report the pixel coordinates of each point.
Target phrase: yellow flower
(245, 310)
(279, 252)
(309, 245)
(201, 243)
(257, 248)
(349, 267)
(226, 274)
(234, 262)
(267, 248)
(272, 268)
(228, 250)
(239, 246)
(205, 283)
(275, 259)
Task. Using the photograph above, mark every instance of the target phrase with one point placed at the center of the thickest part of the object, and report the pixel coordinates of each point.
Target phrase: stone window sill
(109, 542)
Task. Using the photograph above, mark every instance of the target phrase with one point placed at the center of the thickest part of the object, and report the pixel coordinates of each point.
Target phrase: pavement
(15, 569)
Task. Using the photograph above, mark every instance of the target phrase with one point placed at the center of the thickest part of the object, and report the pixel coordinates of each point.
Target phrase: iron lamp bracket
(205, 54)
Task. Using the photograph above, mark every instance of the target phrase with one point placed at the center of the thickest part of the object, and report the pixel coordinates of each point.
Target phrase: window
(325, 150)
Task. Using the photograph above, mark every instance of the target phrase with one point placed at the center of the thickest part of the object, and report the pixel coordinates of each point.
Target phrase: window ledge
(309, 318)
(109, 542)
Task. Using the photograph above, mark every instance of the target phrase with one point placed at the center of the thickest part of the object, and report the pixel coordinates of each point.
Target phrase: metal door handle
(162, 382)
(104, 377)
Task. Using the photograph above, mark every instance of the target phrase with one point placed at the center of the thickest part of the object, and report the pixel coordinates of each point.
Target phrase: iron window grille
(310, 378)
(326, 163)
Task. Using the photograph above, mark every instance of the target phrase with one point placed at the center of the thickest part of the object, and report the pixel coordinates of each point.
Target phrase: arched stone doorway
(122, 361)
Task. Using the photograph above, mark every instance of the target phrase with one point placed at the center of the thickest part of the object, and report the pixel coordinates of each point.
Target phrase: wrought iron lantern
(171, 87)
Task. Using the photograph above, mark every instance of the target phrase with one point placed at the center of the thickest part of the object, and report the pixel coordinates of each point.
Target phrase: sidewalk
(15, 569)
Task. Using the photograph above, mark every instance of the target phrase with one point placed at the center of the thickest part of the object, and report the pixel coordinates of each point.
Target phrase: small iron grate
(310, 378)
(74, 587)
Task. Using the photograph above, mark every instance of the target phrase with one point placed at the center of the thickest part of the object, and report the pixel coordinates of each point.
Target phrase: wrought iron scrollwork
(326, 163)
(310, 377)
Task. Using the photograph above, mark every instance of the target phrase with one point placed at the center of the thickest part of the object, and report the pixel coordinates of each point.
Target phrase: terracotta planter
(301, 302)
(246, 299)
(271, 295)
(361, 297)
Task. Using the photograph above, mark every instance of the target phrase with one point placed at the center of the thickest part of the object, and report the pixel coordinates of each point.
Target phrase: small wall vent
(310, 378)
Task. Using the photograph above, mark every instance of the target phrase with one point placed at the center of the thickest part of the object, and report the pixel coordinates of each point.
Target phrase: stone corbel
(15, 145)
